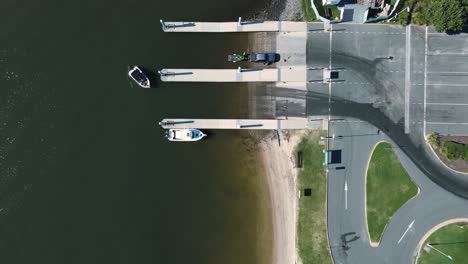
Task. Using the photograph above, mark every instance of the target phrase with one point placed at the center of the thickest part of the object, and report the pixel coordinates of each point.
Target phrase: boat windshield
(138, 75)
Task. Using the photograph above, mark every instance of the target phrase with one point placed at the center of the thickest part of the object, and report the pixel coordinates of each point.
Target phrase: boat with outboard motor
(139, 77)
(184, 134)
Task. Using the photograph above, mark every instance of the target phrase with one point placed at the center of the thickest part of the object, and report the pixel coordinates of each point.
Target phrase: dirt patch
(459, 164)
(459, 139)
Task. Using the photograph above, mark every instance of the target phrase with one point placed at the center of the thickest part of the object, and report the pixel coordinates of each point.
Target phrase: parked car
(265, 58)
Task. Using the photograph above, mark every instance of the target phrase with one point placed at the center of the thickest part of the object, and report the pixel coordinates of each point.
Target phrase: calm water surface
(85, 175)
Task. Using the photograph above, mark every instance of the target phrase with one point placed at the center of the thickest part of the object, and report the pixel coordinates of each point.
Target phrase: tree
(446, 15)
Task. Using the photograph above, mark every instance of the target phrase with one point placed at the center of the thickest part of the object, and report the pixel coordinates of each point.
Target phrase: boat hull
(184, 135)
(139, 77)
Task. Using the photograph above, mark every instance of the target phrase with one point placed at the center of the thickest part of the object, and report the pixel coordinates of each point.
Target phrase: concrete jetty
(291, 74)
(241, 26)
(266, 124)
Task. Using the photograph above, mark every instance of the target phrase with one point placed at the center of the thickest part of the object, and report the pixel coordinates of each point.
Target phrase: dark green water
(85, 175)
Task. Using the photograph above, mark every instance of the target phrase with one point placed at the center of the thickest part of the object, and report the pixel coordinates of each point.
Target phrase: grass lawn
(311, 226)
(451, 240)
(309, 14)
(388, 188)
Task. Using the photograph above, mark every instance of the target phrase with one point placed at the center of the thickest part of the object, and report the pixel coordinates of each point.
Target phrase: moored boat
(139, 77)
(184, 134)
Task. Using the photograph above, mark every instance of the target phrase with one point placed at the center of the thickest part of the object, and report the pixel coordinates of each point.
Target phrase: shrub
(453, 150)
(465, 153)
(418, 15)
(446, 15)
(434, 140)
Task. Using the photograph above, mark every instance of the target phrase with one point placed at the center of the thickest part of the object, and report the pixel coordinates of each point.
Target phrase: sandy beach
(281, 176)
(277, 156)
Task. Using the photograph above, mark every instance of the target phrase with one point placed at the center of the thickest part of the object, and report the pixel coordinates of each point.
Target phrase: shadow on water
(210, 134)
(153, 76)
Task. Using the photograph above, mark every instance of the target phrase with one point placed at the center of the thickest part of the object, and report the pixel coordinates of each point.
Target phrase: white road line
(346, 194)
(352, 83)
(447, 35)
(404, 234)
(407, 79)
(446, 84)
(329, 67)
(447, 53)
(450, 73)
(369, 32)
(425, 83)
(454, 104)
(446, 123)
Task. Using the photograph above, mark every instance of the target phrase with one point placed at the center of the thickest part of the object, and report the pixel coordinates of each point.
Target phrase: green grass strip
(452, 240)
(311, 226)
(388, 188)
(307, 10)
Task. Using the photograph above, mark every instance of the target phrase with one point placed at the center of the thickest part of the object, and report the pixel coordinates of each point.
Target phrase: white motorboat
(184, 134)
(139, 77)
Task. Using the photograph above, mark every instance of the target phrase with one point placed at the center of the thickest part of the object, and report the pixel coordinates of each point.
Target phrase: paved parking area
(446, 87)
(415, 76)
(370, 61)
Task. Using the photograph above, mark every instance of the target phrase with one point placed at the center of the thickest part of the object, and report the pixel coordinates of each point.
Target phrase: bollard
(240, 22)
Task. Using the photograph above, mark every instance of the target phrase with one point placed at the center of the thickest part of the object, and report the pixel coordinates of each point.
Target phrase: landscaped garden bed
(452, 150)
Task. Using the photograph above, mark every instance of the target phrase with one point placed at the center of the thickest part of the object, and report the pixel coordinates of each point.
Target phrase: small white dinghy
(184, 135)
(139, 77)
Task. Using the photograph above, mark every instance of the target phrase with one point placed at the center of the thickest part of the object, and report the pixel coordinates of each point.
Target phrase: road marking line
(447, 35)
(425, 83)
(454, 104)
(446, 53)
(369, 32)
(407, 79)
(450, 73)
(346, 194)
(404, 234)
(446, 123)
(446, 84)
(329, 67)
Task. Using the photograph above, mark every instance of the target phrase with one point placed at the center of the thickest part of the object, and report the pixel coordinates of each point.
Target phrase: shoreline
(276, 157)
(285, 10)
(281, 176)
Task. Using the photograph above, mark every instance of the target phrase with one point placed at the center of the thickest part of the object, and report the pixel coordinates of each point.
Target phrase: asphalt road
(403, 82)
(347, 226)
(383, 81)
